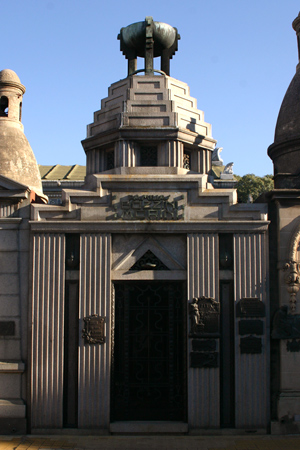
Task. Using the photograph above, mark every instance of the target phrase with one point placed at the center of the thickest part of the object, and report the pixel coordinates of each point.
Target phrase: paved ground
(151, 442)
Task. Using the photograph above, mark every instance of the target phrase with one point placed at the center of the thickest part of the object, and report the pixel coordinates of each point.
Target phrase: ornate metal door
(149, 369)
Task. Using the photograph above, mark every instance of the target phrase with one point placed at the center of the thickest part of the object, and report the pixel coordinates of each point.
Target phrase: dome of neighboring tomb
(285, 151)
(17, 160)
(288, 122)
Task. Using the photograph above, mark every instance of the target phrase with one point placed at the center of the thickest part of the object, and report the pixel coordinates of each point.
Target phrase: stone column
(125, 154)
(251, 369)
(203, 280)
(170, 154)
(95, 161)
(47, 345)
(94, 359)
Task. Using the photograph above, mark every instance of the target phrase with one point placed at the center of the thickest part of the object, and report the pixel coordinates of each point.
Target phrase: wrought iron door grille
(149, 369)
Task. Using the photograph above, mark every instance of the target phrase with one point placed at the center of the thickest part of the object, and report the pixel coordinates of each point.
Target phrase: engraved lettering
(148, 207)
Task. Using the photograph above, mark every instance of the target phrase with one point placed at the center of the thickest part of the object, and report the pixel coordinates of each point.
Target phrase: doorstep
(148, 427)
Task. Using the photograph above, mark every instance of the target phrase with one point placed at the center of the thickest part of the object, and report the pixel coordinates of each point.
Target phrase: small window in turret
(20, 112)
(110, 159)
(148, 156)
(3, 106)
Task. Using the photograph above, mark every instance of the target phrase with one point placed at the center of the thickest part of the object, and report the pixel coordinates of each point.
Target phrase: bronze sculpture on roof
(148, 40)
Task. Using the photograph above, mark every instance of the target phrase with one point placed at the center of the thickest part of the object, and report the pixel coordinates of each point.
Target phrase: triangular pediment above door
(149, 262)
(148, 249)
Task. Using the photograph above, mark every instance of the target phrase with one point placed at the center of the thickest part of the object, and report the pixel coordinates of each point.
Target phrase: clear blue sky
(237, 56)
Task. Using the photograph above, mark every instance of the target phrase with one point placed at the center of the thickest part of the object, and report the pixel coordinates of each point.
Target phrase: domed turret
(9, 76)
(17, 160)
(285, 151)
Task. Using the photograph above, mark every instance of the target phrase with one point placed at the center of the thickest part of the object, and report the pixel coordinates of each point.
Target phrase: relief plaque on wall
(204, 317)
(93, 333)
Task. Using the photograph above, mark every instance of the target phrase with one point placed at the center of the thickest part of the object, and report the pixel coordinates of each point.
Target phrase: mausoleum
(141, 303)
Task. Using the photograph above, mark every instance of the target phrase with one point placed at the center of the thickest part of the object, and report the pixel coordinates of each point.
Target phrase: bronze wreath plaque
(93, 333)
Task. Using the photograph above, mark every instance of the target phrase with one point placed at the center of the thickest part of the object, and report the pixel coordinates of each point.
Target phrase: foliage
(249, 187)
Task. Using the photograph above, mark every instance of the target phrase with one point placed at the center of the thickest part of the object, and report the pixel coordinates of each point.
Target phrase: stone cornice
(283, 194)
(63, 226)
(151, 134)
(278, 148)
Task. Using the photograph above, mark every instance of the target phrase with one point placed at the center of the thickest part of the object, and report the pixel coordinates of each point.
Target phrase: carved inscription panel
(251, 345)
(148, 207)
(204, 360)
(250, 307)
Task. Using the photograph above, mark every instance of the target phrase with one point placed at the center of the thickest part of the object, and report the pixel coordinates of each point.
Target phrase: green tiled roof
(44, 170)
(58, 172)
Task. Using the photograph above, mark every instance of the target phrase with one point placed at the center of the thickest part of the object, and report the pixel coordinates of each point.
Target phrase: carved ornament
(292, 269)
(292, 279)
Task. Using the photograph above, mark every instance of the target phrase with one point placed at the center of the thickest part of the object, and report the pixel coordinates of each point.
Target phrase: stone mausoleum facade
(149, 300)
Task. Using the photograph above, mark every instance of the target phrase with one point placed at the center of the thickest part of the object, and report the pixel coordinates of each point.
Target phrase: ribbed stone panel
(125, 154)
(251, 373)
(95, 161)
(203, 265)
(204, 161)
(47, 331)
(203, 384)
(7, 210)
(204, 398)
(94, 359)
(171, 154)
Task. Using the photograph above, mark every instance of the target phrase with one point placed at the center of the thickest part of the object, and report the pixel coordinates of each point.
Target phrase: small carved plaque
(204, 360)
(251, 345)
(204, 345)
(251, 327)
(7, 328)
(250, 307)
(93, 333)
